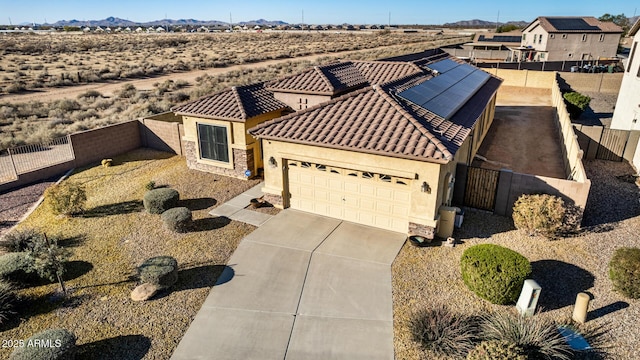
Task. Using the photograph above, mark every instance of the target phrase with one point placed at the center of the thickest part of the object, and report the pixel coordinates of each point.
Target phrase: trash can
(459, 218)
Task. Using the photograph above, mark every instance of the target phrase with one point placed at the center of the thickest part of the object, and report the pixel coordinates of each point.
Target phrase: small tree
(576, 103)
(49, 260)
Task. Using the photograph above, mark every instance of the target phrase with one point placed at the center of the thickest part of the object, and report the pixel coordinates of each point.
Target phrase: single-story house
(372, 142)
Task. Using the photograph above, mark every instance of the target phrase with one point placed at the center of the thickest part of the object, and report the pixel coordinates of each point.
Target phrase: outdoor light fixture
(272, 162)
(425, 187)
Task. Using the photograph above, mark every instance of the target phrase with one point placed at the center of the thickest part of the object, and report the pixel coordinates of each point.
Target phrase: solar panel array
(571, 24)
(501, 38)
(447, 92)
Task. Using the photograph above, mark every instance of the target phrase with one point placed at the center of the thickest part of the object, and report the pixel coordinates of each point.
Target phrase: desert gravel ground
(15, 203)
(424, 277)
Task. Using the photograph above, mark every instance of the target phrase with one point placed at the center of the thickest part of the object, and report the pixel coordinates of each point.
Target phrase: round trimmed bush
(494, 273)
(496, 350)
(59, 344)
(624, 271)
(157, 201)
(161, 271)
(177, 219)
(18, 267)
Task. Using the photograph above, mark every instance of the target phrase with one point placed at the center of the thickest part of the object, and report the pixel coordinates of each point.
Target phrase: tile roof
(330, 79)
(546, 22)
(235, 104)
(380, 72)
(367, 120)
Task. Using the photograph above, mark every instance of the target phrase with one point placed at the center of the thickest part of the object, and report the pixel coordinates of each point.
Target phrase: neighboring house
(568, 38)
(215, 129)
(627, 111)
(384, 154)
(491, 46)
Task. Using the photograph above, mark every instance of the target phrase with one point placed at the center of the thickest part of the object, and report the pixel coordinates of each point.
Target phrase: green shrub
(539, 214)
(536, 336)
(150, 185)
(17, 267)
(442, 331)
(7, 301)
(177, 219)
(161, 271)
(20, 240)
(496, 350)
(494, 273)
(157, 201)
(48, 258)
(67, 198)
(624, 271)
(61, 346)
(576, 103)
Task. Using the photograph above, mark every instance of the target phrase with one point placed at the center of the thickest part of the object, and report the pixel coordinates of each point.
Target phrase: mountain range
(114, 21)
(483, 23)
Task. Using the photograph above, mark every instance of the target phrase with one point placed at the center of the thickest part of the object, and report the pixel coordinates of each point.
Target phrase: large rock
(144, 292)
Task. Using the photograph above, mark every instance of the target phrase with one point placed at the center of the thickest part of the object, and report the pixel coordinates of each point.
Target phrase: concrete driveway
(301, 286)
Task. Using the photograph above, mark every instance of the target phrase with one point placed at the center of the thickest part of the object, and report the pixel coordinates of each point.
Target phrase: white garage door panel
(368, 201)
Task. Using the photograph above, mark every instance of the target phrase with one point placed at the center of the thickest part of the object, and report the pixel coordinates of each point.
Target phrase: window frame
(228, 157)
(584, 37)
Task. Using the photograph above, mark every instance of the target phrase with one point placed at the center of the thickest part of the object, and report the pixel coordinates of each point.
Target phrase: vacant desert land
(53, 109)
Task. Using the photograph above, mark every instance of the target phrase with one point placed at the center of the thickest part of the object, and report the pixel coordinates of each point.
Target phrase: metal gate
(481, 188)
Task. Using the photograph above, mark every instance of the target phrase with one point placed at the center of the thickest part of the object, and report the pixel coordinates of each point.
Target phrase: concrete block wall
(586, 82)
(97, 144)
(524, 78)
(162, 135)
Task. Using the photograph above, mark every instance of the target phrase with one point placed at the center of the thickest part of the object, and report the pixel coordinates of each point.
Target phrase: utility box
(528, 299)
(447, 221)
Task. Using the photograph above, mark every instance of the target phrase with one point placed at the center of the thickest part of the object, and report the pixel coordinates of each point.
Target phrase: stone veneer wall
(242, 160)
(422, 230)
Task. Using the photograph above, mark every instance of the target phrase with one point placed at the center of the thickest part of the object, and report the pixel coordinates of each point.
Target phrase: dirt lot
(523, 137)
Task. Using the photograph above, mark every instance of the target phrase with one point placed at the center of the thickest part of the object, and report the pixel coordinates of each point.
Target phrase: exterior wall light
(425, 188)
(272, 162)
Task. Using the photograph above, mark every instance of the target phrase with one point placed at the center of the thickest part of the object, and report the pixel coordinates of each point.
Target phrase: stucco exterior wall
(244, 150)
(627, 112)
(300, 101)
(423, 207)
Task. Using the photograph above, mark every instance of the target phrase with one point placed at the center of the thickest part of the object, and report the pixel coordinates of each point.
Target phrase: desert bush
(127, 91)
(576, 103)
(67, 198)
(63, 346)
(150, 185)
(624, 271)
(161, 271)
(17, 267)
(494, 273)
(496, 350)
(536, 336)
(48, 258)
(539, 214)
(90, 94)
(157, 201)
(177, 219)
(20, 240)
(442, 331)
(8, 301)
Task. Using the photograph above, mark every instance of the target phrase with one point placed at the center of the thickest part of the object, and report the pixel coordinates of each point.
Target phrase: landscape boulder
(144, 292)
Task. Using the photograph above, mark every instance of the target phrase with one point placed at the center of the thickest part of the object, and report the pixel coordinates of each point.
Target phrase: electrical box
(528, 299)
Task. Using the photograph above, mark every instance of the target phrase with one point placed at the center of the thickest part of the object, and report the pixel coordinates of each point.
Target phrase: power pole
(230, 22)
(498, 21)
(302, 26)
(389, 19)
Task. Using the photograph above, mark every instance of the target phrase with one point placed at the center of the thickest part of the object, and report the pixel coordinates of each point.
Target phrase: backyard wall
(524, 78)
(585, 82)
(94, 145)
(163, 132)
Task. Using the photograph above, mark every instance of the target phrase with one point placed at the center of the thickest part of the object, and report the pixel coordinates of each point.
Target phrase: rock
(144, 292)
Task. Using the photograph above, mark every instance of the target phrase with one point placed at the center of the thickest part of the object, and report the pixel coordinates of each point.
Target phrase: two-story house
(627, 112)
(568, 38)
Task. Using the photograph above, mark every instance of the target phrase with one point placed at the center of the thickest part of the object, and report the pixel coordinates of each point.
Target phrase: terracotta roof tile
(380, 72)
(330, 79)
(236, 104)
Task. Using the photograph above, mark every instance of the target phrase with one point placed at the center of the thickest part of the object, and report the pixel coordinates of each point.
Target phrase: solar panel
(501, 38)
(443, 66)
(446, 93)
(568, 24)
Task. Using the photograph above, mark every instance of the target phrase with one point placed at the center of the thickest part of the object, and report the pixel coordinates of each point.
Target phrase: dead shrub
(539, 214)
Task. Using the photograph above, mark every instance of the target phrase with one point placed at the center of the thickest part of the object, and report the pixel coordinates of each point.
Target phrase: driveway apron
(301, 286)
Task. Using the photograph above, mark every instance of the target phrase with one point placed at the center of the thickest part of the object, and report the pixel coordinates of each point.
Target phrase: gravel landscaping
(111, 238)
(430, 276)
(15, 203)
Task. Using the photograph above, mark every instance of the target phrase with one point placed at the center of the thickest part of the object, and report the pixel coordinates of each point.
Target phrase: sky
(315, 12)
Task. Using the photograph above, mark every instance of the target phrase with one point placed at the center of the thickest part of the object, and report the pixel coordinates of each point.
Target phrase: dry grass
(35, 121)
(111, 239)
(30, 61)
(427, 277)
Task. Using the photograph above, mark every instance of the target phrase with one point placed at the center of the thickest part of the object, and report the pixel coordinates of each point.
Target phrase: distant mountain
(114, 21)
(483, 23)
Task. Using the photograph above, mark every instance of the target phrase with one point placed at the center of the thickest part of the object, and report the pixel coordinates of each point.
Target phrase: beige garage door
(363, 197)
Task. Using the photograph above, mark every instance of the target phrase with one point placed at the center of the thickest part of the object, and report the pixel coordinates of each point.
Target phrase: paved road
(301, 286)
